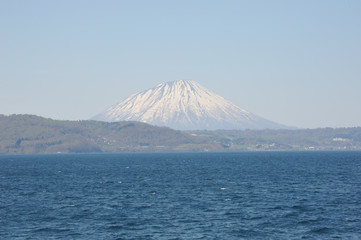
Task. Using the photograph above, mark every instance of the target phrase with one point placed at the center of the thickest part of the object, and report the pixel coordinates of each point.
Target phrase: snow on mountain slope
(184, 105)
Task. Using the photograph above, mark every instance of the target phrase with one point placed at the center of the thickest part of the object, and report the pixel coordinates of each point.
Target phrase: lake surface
(250, 195)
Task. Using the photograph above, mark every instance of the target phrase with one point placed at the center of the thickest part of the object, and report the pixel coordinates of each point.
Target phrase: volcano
(184, 105)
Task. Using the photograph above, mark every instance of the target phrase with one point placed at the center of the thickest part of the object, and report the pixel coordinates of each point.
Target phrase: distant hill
(32, 134)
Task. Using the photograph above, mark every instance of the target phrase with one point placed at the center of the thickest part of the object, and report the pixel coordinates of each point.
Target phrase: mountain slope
(33, 134)
(184, 105)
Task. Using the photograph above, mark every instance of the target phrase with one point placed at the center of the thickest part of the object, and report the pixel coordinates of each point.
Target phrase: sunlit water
(257, 195)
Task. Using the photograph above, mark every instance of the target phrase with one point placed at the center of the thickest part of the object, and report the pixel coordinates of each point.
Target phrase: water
(257, 195)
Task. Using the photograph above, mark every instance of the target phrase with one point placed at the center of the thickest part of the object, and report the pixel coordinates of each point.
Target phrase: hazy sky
(294, 62)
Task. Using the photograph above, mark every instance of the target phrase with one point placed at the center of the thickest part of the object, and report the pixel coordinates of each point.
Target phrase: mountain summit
(184, 105)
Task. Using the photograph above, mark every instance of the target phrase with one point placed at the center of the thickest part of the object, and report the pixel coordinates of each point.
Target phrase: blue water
(256, 195)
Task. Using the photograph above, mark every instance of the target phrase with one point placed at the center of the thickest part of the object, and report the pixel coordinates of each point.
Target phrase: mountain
(184, 105)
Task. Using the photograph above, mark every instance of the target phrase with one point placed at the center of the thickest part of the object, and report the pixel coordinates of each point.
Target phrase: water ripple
(181, 196)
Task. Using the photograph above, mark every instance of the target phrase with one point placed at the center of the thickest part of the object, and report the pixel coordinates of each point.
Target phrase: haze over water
(254, 195)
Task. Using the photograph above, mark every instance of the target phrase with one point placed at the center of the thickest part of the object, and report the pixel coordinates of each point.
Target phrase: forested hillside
(33, 134)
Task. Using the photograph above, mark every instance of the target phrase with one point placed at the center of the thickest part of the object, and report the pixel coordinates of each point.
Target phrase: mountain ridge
(22, 134)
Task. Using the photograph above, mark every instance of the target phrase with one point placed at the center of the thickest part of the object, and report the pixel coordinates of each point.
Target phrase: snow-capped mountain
(184, 105)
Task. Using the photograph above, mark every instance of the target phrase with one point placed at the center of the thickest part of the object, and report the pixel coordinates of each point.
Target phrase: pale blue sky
(294, 62)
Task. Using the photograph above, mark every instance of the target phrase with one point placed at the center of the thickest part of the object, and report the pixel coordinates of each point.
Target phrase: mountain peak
(181, 85)
(184, 105)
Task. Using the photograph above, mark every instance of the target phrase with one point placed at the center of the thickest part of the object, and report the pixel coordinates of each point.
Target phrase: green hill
(33, 134)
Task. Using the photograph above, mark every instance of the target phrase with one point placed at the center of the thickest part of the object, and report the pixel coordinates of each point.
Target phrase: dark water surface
(257, 195)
